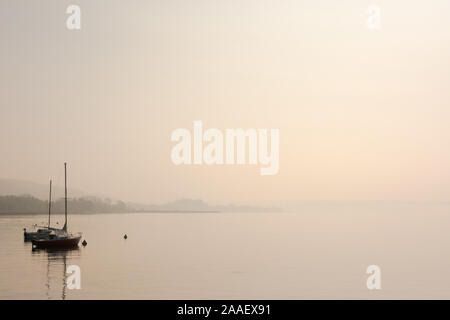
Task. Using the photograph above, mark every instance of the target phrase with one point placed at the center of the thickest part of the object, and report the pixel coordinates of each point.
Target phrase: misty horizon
(13, 187)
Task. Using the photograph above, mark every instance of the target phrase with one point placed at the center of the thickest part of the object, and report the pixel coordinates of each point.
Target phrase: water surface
(315, 253)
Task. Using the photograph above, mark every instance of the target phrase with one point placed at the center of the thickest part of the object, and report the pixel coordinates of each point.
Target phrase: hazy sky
(362, 114)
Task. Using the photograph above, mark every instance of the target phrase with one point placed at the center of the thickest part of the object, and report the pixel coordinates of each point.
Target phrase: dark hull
(57, 243)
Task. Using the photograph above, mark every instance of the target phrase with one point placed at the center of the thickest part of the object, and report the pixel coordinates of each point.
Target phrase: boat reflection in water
(57, 262)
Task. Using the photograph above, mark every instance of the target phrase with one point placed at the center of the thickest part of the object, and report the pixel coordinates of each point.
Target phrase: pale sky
(362, 114)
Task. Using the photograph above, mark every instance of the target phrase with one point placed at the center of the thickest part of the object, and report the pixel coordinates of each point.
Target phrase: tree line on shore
(26, 204)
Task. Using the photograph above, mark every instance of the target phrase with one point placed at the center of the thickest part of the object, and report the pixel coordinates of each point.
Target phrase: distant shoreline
(90, 213)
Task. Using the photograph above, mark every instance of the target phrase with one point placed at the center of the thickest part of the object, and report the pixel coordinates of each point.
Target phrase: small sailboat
(42, 232)
(60, 238)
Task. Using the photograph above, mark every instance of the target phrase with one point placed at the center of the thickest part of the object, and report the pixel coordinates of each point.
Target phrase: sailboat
(44, 231)
(60, 238)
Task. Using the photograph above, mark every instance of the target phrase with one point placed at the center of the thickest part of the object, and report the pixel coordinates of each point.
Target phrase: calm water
(316, 253)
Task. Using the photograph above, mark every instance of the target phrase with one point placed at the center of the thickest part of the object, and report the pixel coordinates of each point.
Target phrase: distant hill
(40, 191)
(196, 205)
(30, 205)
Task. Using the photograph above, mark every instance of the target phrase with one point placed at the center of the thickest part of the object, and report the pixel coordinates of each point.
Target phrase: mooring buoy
(125, 236)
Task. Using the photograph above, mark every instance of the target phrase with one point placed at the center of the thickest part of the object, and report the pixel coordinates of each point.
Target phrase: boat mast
(49, 203)
(65, 196)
